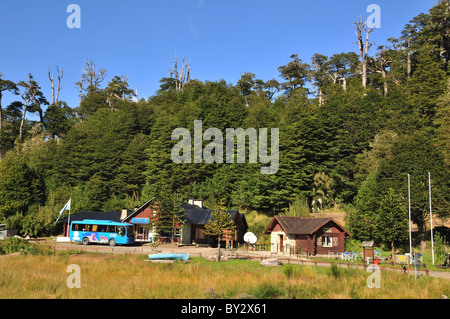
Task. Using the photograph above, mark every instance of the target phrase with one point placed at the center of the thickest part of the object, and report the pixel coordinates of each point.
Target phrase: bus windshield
(130, 231)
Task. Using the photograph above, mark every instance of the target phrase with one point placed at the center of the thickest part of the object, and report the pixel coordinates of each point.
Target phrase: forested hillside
(352, 125)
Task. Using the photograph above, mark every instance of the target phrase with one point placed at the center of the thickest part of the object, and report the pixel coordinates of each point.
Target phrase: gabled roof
(201, 216)
(114, 216)
(300, 225)
(139, 209)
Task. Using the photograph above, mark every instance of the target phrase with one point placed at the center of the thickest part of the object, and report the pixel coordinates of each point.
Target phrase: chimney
(197, 202)
(124, 214)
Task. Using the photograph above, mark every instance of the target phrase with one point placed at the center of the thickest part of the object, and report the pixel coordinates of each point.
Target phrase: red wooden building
(193, 230)
(314, 236)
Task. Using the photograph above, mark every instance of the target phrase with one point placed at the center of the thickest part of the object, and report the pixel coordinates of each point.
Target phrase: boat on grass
(172, 256)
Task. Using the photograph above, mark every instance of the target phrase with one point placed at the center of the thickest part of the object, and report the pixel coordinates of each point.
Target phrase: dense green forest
(352, 126)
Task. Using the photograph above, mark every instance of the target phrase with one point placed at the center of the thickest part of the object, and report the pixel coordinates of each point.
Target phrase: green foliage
(392, 222)
(298, 208)
(12, 245)
(268, 291)
(440, 247)
(220, 221)
(20, 186)
(170, 216)
(335, 271)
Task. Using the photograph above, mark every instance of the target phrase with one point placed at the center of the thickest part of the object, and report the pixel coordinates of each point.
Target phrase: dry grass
(130, 276)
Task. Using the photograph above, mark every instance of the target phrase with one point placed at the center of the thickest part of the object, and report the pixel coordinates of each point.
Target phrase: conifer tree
(219, 223)
(392, 221)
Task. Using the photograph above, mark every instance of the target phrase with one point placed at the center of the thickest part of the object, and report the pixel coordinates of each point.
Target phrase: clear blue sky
(222, 38)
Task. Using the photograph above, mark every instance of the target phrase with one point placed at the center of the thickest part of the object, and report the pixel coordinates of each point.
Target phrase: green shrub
(288, 270)
(268, 291)
(335, 271)
(12, 245)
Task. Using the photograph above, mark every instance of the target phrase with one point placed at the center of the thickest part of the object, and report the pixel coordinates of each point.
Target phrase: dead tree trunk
(52, 82)
(364, 46)
(60, 76)
(180, 79)
(408, 61)
(51, 77)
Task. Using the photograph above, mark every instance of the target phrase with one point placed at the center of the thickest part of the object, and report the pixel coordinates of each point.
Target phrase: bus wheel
(112, 242)
(85, 241)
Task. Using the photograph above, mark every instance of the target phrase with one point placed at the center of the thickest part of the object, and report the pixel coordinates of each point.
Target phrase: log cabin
(313, 236)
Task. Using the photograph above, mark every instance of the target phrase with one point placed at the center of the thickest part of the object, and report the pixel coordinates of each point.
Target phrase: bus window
(121, 230)
(94, 227)
(101, 228)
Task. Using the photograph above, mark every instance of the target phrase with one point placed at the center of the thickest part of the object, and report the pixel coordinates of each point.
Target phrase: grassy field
(130, 276)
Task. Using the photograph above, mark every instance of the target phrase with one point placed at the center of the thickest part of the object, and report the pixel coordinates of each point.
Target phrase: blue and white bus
(102, 231)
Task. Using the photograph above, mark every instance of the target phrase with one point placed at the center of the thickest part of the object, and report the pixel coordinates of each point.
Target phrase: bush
(288, 270)
(335, 271)
(12, 245)
(268, 291)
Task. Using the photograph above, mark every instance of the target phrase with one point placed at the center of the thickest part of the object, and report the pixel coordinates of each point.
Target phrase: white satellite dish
(250, 238)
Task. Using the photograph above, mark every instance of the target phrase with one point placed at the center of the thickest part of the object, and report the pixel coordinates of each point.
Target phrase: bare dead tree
(180, 79)
(382, 63)
(60, 76)
(91, 77)
(364, 46)
(408, 59)
(51, 77)
(344, 83)
(52, 82)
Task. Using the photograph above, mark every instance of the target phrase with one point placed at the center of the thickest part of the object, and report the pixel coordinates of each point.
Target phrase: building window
(327, 241)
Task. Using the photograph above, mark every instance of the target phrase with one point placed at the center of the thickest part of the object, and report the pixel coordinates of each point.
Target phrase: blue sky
(222, 39)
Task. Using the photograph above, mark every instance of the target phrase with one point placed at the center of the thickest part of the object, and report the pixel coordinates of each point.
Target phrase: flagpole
(68, 219)
(409, 212)
(431, 218)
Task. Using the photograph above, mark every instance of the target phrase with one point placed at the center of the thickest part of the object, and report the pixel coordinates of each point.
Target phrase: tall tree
(177, 79)
(33, 98)
(295, 73)
(427, 83)
(51, 77)
(319, 74)
(364, 46)
(58, 119)
(341, 66)
(392, 223)
(118, 89)
(5, 86)
(170, 217)
(416, 155)
(219, 223)
(91, 76)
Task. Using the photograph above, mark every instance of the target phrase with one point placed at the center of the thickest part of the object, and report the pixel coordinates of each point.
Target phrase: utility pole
(431, 218)
(409, 211)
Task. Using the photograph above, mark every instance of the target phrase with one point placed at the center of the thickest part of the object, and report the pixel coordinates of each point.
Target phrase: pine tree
(170, 217)
(392, 221)
(220, 221)
(427, 84)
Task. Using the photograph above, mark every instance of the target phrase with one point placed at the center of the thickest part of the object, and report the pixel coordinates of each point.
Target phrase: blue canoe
(168, 256)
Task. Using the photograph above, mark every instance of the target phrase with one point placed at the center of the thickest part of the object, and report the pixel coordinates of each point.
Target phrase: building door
(281, 243)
